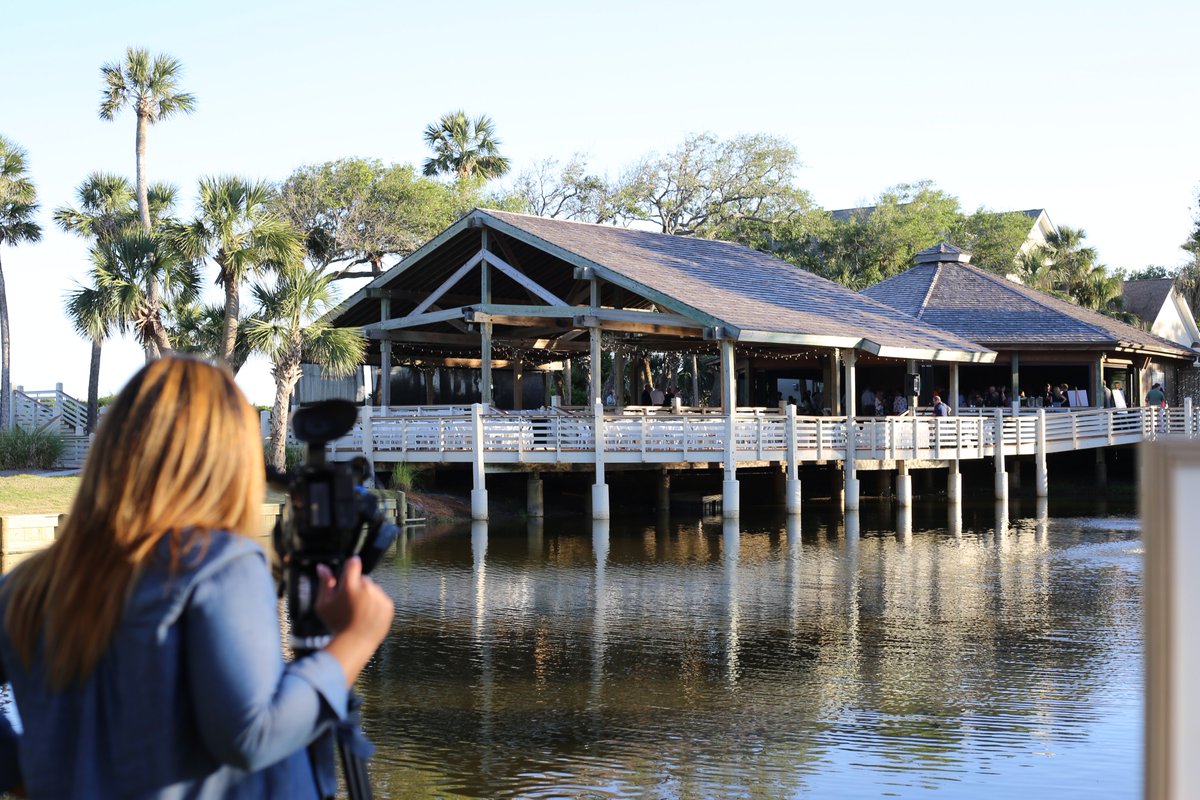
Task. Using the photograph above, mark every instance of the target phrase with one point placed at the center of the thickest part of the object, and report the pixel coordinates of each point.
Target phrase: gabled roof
(1146, 298)
(752, 293)
(749, 296)
(1003, 314)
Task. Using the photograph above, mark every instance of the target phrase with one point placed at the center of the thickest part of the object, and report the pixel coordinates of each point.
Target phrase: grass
(32, 494)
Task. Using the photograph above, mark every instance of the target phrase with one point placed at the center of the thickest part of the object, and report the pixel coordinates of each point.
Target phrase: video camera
(329, 517)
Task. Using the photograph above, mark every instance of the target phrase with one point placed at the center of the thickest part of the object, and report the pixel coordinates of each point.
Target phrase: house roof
(750, 296)
(1146, 298)
(1003, 314)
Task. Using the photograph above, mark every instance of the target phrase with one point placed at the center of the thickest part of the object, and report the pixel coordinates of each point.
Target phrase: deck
(446, 435)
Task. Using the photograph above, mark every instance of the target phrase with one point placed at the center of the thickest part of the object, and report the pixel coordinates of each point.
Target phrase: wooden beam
(591, 321)
(470, 341)
(646, 317)
(448, 284)
(523, 279)
(412, 321)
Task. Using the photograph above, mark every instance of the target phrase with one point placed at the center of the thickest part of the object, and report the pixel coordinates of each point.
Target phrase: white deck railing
(569, 436)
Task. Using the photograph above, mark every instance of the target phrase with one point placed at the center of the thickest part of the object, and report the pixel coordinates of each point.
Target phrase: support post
(998, 455)
(1014, 391)
(1098, 383)
(730, 494)
(535, 506)
(485, 329)
(851, 464)
(600, 509)
(664, 491)
(792, 486)
(903, 485)
(479, 501)
(954, 484)
(429, 397)
(518, 381)
(618, 379)
(385, 356)
(953, 399)
(485, 369)
(696, 381)
(597, 356)
(368, 438)
(568, 384)
(1189, 427)
(833, 392)
(1039, 455)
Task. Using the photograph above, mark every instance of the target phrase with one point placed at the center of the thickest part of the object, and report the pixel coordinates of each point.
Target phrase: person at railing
(1048, 396)
(900, 405)
(940, 409)
(646, 397)
(657, 396)
(1108, 395)
(1156, 396)
(867, 404)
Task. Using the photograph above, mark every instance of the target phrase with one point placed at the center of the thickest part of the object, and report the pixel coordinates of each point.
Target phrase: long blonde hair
(177, 455)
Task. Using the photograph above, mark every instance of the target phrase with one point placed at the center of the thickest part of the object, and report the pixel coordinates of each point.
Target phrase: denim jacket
(191, 700)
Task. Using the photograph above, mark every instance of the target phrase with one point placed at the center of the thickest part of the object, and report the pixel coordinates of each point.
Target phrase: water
(992, 654)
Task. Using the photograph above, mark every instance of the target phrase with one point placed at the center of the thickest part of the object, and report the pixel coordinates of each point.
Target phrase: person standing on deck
(1156, 397)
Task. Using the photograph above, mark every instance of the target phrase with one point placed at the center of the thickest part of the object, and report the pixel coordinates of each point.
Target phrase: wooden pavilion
(1038, 338)
(501, 292)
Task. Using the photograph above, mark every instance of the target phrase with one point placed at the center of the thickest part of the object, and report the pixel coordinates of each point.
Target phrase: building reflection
(683, 641)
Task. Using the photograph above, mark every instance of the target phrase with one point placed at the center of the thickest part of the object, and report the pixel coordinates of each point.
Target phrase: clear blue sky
(1087, 109)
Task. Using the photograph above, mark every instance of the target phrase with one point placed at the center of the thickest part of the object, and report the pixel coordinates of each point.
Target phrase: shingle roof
(742, 288)
(1000, 313)
(1146, 298)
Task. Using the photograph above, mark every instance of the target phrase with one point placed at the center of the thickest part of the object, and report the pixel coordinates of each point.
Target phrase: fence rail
(547, 436)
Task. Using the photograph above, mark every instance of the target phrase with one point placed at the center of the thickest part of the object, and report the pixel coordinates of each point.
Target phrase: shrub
(26, 449)
(293, 455)
(407, 477)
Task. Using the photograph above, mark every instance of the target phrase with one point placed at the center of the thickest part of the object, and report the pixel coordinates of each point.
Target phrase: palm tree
(89, 308)
(201, 329)
(237, 229)
(150, 87)
(1072, 260)
(107, 206)
(466, 147)
(18, 203)
(1035, 269)
(287, 331)
(121, 269)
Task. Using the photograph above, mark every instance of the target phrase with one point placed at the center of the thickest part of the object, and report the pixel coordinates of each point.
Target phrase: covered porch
(499, 301)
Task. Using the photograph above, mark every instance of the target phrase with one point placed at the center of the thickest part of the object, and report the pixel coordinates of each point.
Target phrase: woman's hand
(357, 612)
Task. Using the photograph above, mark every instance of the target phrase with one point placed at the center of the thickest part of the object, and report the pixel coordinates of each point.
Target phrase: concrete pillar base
(792, 492)
(479, 504)
(535, 505)
(664, 491)
(954, 487)
(731, 501)
(904, 495)
(850, 503)
(600, 501)
(1043, 484)
(1001, 485)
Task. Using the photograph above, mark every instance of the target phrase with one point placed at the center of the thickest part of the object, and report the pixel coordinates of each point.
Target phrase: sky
(1086, 109)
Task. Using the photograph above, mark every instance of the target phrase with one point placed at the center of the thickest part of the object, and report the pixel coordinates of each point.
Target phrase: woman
(143, 646)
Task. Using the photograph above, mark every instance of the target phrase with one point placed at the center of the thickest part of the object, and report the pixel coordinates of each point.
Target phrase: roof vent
(941, 254)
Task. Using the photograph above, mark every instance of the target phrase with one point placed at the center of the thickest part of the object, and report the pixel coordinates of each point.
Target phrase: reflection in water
(731, 545)
(821, 655)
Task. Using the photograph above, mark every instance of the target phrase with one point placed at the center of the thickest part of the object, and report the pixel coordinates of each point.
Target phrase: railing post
(600, 507)
(368, 438)
(1187, 417)
(793, 473)
(1039, 457)
(479, 498)
(998, 456)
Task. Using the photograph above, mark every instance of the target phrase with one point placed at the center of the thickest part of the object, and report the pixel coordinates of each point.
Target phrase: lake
(992, 653)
